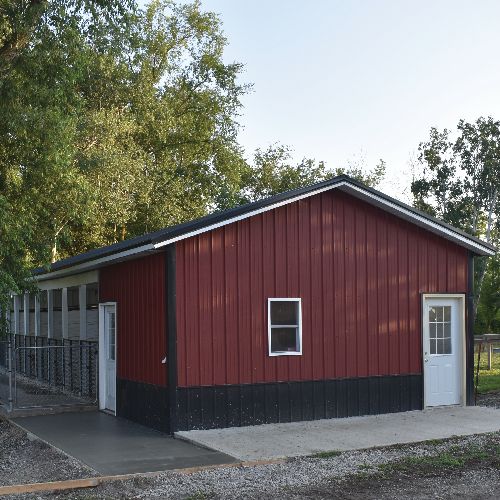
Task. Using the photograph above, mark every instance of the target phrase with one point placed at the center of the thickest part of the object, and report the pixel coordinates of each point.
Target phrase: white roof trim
(346, 186)
(245, 216)
(84, 278)
(92, 264)
(358, 192)
(420, 220)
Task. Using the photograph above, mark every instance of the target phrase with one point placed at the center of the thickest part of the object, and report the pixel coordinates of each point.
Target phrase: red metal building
(329, 301)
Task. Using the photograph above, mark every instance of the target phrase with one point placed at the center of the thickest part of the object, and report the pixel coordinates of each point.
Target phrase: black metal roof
(186, 228)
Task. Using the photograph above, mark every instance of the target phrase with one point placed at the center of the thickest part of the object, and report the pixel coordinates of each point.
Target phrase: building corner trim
(469, 384)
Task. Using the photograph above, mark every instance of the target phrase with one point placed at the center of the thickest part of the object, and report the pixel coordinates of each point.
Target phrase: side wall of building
(360, 273)
(138, 288)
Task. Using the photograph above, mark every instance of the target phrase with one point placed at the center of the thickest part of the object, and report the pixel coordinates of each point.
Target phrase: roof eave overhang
(385, 203)
(353, 188)
(472, 244)
(91, 265)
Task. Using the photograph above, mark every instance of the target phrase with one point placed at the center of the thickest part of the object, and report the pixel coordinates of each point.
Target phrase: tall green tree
(273, 171)
(460, 182)
(21, 20)
(488, 311)
(15, 267)
(109, 132)
(114, 121)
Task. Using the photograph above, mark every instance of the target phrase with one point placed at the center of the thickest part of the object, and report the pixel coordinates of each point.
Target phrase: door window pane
(447, 313)
(440, 330)
(111, 336)
(432, 346)
(447, 346)
(432, 314)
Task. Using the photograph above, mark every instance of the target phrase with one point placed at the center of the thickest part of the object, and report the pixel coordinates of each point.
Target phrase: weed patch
(326, 454)
(453, 458)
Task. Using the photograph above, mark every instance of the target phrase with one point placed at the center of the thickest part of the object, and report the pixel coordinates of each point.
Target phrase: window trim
(299, 326)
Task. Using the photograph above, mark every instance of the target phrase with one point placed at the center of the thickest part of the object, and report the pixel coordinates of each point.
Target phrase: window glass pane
(439, 346)
(432, 330)
(432, 314)
(284, 340)
(111, 336)
(447, 330)
(447, 313)
(432, 346)
(284, 313)
(447, 346)
(439, 313)
(439, 330)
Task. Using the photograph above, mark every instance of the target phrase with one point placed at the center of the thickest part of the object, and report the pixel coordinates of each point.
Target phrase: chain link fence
(48, 372)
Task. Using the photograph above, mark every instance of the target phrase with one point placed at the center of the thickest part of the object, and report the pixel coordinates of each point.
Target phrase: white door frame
(462, 337)
(102, 354)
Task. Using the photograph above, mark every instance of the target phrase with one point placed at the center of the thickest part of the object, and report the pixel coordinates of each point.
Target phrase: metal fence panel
(5, 379)
(50, 372)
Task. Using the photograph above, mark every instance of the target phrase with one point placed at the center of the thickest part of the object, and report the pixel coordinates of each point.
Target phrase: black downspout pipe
(470, 331)
(171, 299)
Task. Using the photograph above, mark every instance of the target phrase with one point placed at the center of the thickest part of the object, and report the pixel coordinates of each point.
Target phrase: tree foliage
(273, 172)
(108, 133)
(116, 121)
(460, 183)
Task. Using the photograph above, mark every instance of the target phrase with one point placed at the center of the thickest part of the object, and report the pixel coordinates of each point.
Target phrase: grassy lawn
(489, 380)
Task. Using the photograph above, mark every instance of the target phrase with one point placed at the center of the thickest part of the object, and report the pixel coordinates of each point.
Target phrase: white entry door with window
(443, 349)
(107, 357)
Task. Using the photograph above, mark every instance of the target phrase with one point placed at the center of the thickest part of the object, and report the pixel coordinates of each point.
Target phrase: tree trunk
(482, 270)
(53, 252)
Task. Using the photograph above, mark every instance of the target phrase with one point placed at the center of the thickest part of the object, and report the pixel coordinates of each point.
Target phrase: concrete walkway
(112, 445)
(305, 438)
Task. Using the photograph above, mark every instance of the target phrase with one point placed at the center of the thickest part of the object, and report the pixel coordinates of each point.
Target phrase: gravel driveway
(24, 460)
(356, 474)
(432, 470)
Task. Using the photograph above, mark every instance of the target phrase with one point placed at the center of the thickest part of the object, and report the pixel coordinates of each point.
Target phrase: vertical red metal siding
(138, 288)
(358, 270)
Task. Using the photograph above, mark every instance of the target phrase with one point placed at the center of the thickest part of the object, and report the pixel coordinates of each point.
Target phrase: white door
(443, 347)
(108, 358)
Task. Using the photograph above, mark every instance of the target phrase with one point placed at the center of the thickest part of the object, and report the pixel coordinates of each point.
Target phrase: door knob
(426, 360)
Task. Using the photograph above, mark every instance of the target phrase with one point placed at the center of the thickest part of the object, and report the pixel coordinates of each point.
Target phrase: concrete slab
(112, 445)
(273, 441)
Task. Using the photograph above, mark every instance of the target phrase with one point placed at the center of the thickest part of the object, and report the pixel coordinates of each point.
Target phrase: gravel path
(23, 460)
(491, 399)
(347, 475)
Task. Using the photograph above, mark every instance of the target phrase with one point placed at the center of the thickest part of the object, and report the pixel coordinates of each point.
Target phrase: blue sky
(354, 80)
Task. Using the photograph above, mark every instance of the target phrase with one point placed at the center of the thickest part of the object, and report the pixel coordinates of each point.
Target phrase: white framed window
(284, 318)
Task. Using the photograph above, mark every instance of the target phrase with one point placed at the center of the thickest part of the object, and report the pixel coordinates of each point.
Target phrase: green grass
(326, 454)
(200, 495)
(489, 380)
(455, 457)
